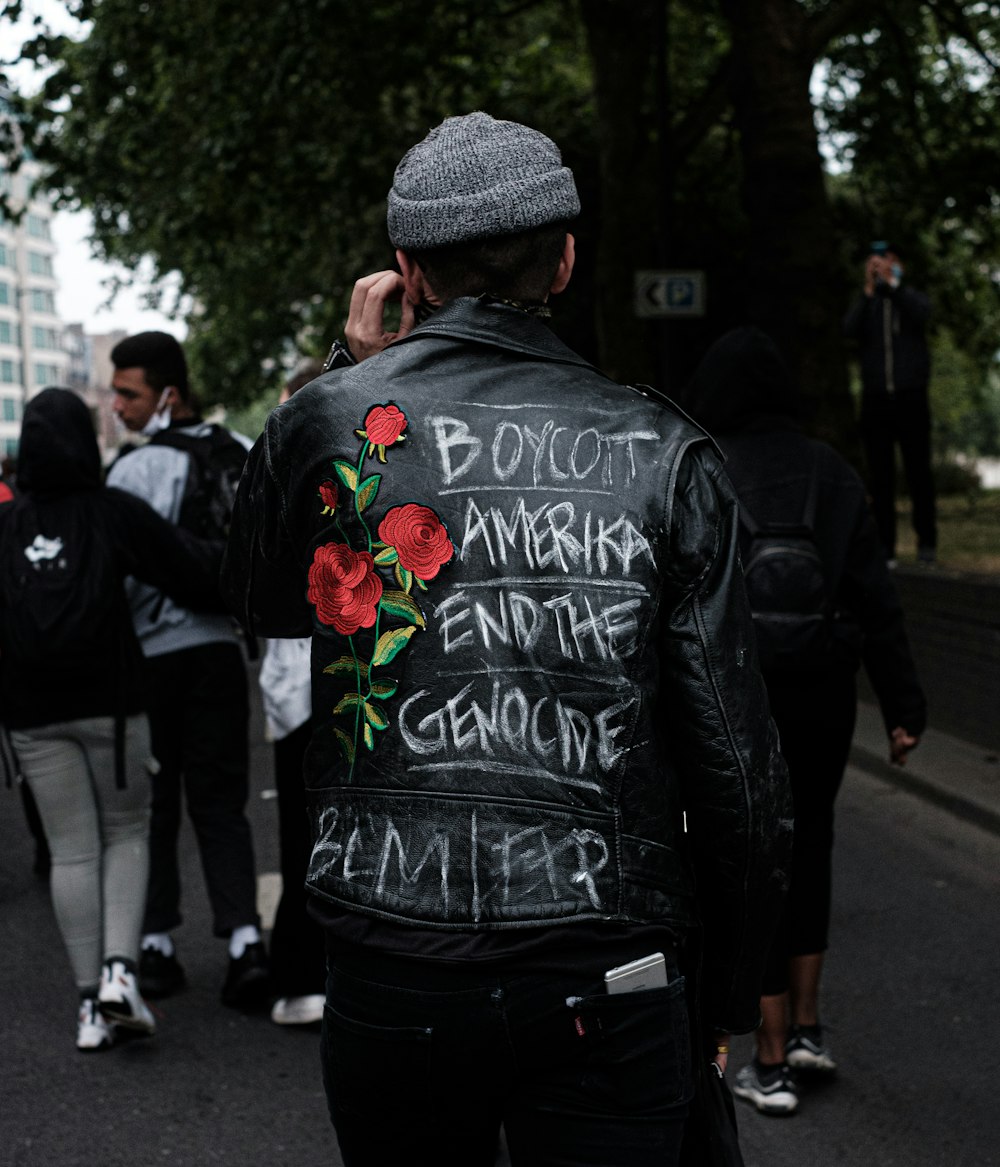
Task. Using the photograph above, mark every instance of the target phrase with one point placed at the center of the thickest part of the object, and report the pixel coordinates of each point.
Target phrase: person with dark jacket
(889, 320)
(743, 394)
(72, 693)
(531, 658)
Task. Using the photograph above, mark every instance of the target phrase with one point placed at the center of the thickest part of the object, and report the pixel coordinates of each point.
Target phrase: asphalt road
(911, 997)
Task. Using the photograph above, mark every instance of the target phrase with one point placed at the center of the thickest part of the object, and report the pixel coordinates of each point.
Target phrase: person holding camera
(888, 321)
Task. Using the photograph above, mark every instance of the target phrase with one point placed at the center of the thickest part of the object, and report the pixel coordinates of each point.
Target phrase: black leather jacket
(531, 648)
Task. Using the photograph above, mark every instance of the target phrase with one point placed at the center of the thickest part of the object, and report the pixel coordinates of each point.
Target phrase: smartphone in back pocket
(648, 972)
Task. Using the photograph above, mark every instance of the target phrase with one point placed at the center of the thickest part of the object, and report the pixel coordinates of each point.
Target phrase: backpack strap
(809, 515)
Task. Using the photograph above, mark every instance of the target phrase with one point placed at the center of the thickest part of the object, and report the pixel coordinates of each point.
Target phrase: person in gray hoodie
(199, 711)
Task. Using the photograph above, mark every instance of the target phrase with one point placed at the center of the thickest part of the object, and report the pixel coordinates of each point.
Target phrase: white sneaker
(298, 1010)
(120, 1001)
(92, 1031)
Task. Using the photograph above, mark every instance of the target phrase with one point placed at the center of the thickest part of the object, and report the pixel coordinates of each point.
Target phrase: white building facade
(32, 354)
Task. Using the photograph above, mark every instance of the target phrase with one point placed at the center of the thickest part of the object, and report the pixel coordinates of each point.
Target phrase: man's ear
(565, 268)
(172, 399)
(415, 286)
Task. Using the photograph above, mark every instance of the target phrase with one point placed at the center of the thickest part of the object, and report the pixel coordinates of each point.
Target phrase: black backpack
(215, 466)
(59, 583)
(787, 589)
(61, 592)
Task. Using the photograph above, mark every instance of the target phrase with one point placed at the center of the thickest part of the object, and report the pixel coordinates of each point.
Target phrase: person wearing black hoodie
(71, 690)
(742, 393)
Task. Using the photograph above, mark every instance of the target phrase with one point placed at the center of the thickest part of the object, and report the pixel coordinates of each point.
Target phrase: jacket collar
(492, 323)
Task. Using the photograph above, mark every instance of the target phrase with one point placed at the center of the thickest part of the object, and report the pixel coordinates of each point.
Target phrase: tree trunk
(790, 253)
(623, 38)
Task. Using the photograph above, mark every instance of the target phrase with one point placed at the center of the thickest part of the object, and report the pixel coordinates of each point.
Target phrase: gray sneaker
(805, 1050)
(771, 1089)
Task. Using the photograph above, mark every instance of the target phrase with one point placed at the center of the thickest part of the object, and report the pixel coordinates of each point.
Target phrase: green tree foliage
(248, 147)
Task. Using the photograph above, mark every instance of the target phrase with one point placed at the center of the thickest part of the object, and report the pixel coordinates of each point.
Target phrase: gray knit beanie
(473, 177)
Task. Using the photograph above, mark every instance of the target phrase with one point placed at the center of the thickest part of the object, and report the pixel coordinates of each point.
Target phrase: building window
(43, 301)
(44, 338)
(6, 332)
(46, 374)
(7, 372)
(38, 228)
(11, 447)
(4, 293)
(39, 265)
(4, 261)
(10, 410)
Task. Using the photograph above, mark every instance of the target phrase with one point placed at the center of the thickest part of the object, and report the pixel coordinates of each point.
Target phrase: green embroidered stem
(357, 509)
(357, 709)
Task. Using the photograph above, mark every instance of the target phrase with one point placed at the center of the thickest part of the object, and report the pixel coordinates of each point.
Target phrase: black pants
(422, 1066)
(815, 719)
(198, 716)
(904, 418)
(298, 953)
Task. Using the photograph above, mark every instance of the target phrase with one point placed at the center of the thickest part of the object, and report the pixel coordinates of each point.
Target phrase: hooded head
(741, 380)
(58, 451)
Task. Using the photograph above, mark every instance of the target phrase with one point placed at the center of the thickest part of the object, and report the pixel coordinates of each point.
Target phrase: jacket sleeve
(734, 780)
(914, 305)
(854, 320)
(868, 593)
(165, 556)
(263, 579)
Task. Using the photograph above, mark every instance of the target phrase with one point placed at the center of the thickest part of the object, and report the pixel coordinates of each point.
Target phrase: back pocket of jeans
(638, 1050)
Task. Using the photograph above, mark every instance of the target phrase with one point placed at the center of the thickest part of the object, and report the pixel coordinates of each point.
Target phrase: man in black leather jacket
(533, 664)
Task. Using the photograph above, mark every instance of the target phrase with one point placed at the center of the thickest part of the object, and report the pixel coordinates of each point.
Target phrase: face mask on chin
(160, 418)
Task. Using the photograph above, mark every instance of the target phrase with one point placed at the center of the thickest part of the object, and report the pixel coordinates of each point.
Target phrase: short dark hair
(305, 372)
(513, 267)
(160, 357)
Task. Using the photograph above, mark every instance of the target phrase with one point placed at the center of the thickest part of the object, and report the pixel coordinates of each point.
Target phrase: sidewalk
(954, 774)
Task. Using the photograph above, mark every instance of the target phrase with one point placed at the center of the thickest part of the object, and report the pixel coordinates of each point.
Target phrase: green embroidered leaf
(375, 717)
(347, 664)
(387, 557)
(369, 737)
(367, 491)
(383, 689)
(347, 474)
(404, 578)
(390, 643)
(349, 701)
(421, 585)
(346, 745)
(381, 454)
(400, 604)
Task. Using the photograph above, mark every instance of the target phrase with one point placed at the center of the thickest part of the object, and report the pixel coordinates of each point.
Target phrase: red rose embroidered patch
(348, 591)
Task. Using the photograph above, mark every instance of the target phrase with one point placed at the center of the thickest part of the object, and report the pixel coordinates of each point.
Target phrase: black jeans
(198, 717)
(815, 719)
(422, 1067)
(298, 952)
(903, 418)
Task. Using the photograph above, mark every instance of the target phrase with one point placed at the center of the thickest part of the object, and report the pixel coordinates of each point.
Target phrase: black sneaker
(771, 1089)
(159, 975)
(806, 1050)
(248, 981)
